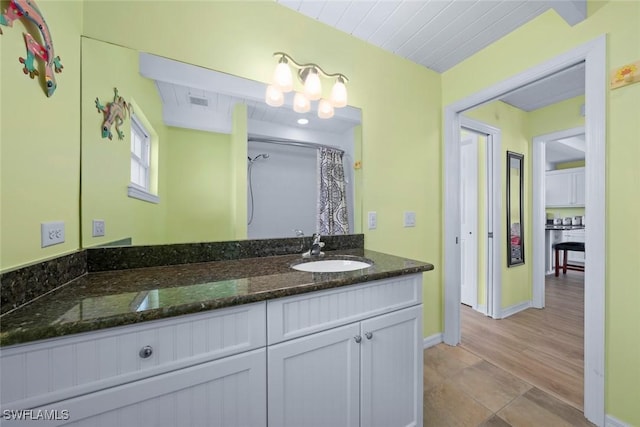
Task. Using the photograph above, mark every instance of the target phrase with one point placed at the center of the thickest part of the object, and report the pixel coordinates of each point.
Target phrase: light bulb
(325, 109)
(282, 78)
(312, 86)
(339, 94)
(301, 103)
(274, 96)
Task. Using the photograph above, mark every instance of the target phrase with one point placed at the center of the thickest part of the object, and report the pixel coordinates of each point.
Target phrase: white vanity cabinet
(565, 188)
(348, 372)
(349, 356)
(209, 368)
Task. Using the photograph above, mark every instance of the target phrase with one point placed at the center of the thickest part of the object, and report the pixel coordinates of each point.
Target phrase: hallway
(524, 370)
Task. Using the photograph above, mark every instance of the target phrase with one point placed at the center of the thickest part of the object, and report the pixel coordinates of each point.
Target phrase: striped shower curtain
(332, 199)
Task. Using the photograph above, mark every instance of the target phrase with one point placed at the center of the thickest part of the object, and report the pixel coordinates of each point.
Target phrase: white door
(227, 392)
(314, 380)
(469, 219)
(392, 369)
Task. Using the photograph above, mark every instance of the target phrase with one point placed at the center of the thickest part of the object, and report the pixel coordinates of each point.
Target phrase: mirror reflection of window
(140, 154)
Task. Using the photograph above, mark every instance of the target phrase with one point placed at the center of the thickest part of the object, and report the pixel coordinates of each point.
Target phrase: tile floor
(462, 389)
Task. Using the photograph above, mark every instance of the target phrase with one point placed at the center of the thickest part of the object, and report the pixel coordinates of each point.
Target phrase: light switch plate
(409, 219)
(372, 220)
(51, 233)
(98, 228)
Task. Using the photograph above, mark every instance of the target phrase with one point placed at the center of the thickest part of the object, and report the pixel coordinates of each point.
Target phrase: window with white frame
(140, 155)
(140, 187)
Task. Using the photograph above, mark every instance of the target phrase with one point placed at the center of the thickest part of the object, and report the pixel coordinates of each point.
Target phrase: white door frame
(539, 217)
(593, 53)
(493, 207)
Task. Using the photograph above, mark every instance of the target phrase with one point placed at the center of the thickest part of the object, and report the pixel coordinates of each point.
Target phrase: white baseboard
(432, 340)
(510, 311)
(611, 421)
(482, 308)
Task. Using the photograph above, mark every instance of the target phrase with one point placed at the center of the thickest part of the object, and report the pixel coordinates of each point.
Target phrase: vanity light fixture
(309, 75)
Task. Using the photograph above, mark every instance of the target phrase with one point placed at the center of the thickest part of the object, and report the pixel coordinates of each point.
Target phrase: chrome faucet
(316, 245)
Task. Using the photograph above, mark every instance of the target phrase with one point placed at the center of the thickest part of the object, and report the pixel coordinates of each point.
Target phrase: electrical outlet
(373, 220)
(98, 228)
(409, 219)
(51, 233)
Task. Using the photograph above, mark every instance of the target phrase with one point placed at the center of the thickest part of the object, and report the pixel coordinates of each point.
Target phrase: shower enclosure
(282, 188)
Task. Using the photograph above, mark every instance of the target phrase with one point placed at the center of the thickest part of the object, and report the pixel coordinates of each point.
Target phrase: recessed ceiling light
(303, 121)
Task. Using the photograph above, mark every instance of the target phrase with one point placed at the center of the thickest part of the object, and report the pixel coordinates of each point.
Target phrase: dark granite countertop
(114, 298)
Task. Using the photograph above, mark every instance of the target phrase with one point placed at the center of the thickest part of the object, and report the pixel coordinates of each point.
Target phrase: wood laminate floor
(526, 370)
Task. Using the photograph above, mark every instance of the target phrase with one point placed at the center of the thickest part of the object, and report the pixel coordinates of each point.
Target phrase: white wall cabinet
(349, 356)
(565, 188)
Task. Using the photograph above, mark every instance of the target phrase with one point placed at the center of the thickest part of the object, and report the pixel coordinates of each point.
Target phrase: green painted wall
(536, 42)
(401, 148)
(106, 164)
(39, 142)
(516, 281)
(198, 186)
(559, 116)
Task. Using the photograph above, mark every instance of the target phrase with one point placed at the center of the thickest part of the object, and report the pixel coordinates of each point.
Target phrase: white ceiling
(435, 33)
(565, 150)
(440, 34)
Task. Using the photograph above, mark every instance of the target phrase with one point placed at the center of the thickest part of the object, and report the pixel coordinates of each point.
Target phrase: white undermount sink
(331, 266)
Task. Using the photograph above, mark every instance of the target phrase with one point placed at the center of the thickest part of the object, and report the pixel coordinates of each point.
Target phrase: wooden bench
(567, 246)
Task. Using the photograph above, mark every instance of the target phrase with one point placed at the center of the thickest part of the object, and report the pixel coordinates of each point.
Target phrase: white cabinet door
(557, 189)
(565, 188)
(314, 380)
(579, 186)
(391, 369)
(227, 392)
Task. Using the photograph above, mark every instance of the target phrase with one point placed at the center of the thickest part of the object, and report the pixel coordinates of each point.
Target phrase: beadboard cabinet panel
(391, 371)
(314, 380)
(228, 392)
(61, 368)
(293, 317)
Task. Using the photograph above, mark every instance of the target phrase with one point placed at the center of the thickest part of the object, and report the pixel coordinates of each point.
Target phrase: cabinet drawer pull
(358, 338)
(146, 351)
(369, 335)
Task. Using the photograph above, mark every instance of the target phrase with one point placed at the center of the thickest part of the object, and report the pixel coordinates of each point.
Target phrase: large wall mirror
(204, 134)
(515, 211)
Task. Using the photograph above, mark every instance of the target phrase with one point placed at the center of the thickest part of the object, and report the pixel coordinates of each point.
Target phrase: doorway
(593, 54)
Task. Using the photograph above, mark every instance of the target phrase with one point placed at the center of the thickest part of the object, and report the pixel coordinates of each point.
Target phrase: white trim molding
(432, 340)
(593, 54)
(614, 422)
(516, 308)
(138, 193)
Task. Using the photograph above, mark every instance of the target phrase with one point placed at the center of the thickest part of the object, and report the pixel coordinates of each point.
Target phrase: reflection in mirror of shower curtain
(332, 200)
